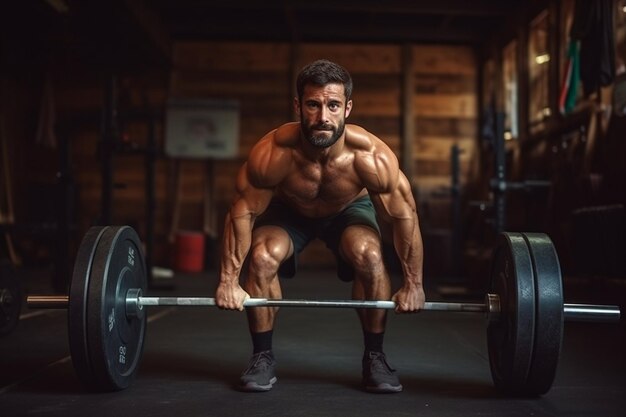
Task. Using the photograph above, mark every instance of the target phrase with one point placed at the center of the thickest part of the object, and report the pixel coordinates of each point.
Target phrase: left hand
(409, 299)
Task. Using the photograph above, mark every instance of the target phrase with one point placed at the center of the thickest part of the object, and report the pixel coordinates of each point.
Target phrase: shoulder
(366, 143)
(374, 161)
(360, 139)
(270, 157)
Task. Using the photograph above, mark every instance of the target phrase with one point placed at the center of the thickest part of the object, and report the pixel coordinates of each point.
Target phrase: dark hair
(321, 73)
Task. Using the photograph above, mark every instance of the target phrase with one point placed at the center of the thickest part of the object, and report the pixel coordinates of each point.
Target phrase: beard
(322, 140)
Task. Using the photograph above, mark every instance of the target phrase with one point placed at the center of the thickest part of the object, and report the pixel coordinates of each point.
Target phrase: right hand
(230, 296)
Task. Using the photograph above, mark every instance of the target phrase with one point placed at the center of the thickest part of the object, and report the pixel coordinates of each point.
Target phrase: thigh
(283, 243)
(355, 240)
(278, 225)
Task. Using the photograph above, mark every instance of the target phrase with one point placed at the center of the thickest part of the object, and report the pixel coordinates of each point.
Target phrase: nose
(323, 116)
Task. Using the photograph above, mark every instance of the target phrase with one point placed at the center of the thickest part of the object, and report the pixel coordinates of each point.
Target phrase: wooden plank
(382, 82)
(445, 105)
(375, 103)
(438, 59)
(432, 182)
(197, 82)
(261, 56)
(264, 106)
(356, 58)
(438, 148)
(445, 83)
(408, 112)
(378, 125)
(452, 126)
(438, 168)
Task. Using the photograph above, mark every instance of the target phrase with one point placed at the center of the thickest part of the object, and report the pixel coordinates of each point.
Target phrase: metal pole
(499, 182)
(571, 312)
(591, 313)
(264, 302)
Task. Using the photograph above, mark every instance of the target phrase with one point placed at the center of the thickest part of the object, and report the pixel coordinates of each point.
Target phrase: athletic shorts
(302, 230)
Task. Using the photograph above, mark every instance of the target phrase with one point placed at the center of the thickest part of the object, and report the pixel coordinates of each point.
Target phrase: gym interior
(131, 119)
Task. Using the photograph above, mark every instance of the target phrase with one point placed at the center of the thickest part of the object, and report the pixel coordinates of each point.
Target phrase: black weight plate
(510, 339)
(115, 341)
(10, 298)
(549, 314)
(77, 310)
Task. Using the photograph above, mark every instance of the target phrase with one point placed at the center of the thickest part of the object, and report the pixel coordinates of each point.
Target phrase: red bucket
(189, 251)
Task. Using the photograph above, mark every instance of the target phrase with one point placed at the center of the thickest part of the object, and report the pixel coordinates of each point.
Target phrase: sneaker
(259, 376)
(378, 375)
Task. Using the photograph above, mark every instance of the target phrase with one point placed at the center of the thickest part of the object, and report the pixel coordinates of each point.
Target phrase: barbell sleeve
(48, 301)
(591, 313)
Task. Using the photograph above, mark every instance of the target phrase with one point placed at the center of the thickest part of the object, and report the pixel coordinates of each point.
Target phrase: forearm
(235, 247)
(407, 241)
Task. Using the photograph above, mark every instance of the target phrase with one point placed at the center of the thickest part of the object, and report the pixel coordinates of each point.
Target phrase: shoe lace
(259, 361)
(378, 363)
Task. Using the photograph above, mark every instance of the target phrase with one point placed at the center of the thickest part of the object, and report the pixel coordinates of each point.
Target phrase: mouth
(322, 128)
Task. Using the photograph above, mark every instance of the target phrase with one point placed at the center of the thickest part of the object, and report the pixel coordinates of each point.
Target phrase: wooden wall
(260, 76)
(445, 106)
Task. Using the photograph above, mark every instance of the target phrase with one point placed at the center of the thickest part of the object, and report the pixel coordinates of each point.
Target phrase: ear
(348, 108)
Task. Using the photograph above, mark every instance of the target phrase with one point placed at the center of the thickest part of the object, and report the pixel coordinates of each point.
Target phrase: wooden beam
(440, 7)
(554, 31)
(150, 23)
(523, 86)
(379, 30)
(408, 118)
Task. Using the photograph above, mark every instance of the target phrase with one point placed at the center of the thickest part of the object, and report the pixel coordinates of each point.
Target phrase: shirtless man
(321, 178)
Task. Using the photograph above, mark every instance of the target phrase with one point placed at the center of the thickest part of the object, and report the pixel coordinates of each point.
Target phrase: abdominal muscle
(321, 205)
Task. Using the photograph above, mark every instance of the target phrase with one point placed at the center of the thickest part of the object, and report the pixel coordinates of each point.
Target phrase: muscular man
(321, 178)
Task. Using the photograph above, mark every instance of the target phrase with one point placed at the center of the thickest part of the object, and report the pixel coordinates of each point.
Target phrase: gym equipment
(10, 298)
(525, 310)
(105, 343)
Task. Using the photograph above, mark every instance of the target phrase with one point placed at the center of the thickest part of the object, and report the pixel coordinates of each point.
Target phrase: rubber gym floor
(193, 357)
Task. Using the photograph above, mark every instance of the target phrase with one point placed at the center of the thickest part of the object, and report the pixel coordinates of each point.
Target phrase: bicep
(396, 202)
(250, 200)
(387, 185)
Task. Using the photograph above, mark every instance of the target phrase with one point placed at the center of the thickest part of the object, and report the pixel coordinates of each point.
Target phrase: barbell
(524, 310)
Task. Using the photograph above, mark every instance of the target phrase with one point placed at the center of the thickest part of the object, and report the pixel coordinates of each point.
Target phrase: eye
(333, 106)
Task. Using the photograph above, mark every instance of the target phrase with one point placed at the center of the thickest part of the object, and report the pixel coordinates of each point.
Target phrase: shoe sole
(384, 389)
(254, 387)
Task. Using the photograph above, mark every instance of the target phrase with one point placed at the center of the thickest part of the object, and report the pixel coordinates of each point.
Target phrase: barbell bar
(135, 302)
(524, 307)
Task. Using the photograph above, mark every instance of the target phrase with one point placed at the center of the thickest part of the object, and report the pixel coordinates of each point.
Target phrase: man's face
(323, 112)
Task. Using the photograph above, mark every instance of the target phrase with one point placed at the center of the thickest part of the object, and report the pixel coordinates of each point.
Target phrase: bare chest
(320, 189)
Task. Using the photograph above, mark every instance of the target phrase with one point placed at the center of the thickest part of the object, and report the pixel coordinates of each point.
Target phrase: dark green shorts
(303, 230)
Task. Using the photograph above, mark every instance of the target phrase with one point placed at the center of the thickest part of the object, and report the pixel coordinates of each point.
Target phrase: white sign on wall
(202, 128)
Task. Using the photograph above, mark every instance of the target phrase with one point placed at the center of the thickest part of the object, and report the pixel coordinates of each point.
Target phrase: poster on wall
(202, 128)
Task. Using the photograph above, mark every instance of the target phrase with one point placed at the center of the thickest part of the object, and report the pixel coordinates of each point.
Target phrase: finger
(241, 307)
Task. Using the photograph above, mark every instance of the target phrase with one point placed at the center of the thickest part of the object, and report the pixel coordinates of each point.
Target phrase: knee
(366, 256)
(265, 259)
